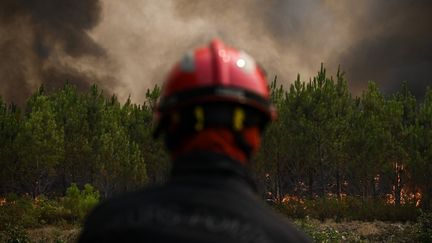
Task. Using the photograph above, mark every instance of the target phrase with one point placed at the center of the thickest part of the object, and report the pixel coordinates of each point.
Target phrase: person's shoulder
(277, 225)
(109, 210)
(170, 205)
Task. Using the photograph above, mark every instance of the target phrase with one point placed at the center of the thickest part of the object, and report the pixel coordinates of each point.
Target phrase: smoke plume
(390, 44)
(287, 37)
(128, 46)
(48, 41)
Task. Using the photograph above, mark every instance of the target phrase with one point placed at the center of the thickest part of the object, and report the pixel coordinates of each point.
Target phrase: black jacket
(209, 198)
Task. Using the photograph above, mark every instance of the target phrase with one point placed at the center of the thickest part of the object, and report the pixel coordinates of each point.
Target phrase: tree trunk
(398, 184)
(365, 192)
(321, 171)
(338, 183)
(310, 182)
(278, 181)
(322, 182)
(426, 197)
(374, 188)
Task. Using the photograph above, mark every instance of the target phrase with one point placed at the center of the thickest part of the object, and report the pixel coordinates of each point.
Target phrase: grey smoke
(392, 44)
(48, 41)
(128, 46)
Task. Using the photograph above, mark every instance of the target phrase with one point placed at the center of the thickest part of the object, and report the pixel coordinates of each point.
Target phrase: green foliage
(40, 144)
(421, 166)
(9, 128)
(327, 234)
(52, 212)
(71, 113)
(80, 202)
(157, 161)
(66, 136)
(328, 208)
(424, 227)
(118, 159)
(294, 209)
(324, 142)
(348, 209)
(309, 136)
(24, 211)
(18, 211)
(14, 234)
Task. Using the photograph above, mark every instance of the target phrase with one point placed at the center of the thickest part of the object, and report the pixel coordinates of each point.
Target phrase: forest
(326, 144)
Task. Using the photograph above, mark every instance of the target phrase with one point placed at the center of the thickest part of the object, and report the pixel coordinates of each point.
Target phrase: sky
(126, 47)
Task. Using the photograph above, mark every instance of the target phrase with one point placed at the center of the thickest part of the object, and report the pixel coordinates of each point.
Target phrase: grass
(54, 234)
(327, 231)
(357, 231)
(350, 208)
(24, 219)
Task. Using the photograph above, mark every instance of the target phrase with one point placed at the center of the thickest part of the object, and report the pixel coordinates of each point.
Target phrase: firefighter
(212, 111)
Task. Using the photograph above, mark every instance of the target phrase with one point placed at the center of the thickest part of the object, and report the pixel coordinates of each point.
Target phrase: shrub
(18, 211)
(14, 234)
(376, 209)
(327, 208)
(52, 212)
(79, 203)
(327, 234)
(293, 209)
(28, 212)
(350, 208)
(424, 227)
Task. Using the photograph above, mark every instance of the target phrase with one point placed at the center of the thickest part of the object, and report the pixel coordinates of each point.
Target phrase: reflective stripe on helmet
(207, 93)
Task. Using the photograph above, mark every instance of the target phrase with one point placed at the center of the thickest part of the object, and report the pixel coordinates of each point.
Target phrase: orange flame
(291, 198)
(406, 197)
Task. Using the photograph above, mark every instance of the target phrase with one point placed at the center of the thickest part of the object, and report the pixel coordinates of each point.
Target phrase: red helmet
(213, 74)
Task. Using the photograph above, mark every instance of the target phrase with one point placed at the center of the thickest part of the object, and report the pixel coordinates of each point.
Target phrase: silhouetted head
(215, 99)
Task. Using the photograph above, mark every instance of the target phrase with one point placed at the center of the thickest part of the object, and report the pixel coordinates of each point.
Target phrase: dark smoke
(137, 41)
(48, 41)
(383, 41)
(392, 44)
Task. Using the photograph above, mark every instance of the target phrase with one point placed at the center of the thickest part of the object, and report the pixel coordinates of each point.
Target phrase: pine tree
(119, 161)
(367, 140)
(9, 127)
(71, 115)
(421, 168)
(40, 146)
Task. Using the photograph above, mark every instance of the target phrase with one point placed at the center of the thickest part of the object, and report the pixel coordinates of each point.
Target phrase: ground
(328, 231)
(359, 231)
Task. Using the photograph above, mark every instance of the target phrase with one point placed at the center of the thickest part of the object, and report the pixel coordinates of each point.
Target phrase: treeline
(65, 137)
(324, 143)
(328, 143)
